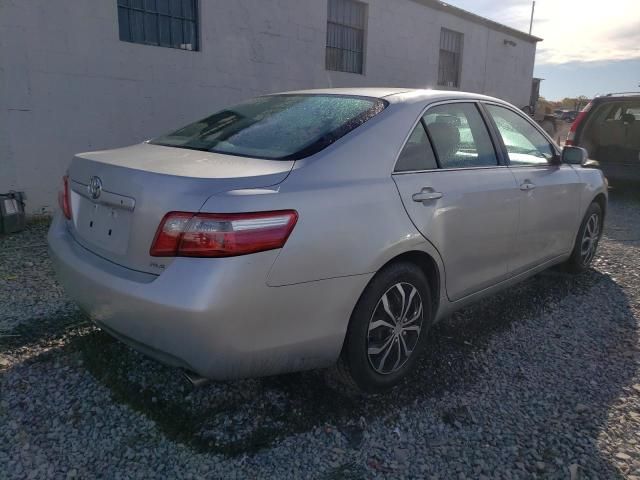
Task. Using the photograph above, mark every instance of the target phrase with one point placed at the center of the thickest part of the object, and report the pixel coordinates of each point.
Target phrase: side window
(459, 136)
(524, 143)
(614, 114)
(417, 153)
(635, 111)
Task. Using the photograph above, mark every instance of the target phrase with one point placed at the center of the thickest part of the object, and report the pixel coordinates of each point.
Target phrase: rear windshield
(276, 127)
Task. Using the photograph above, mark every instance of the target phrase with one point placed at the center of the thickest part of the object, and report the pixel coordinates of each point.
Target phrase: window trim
(433, 150)
(196, 21)
(365, 35)
(503, 147)
(476, 102)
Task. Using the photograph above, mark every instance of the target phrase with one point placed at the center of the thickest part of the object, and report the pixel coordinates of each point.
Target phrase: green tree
(574, 103)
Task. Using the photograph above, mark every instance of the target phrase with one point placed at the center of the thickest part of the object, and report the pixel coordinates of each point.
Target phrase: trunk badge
(95, 187)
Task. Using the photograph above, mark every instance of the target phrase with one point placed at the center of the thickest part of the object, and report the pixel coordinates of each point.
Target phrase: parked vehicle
(609, 129)
(319, 228)
(568, 115)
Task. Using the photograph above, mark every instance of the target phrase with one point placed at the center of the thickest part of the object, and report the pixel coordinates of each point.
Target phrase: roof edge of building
(459, 12)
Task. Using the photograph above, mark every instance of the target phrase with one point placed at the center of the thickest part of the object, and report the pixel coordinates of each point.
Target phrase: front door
(549, 192)
(459, 197)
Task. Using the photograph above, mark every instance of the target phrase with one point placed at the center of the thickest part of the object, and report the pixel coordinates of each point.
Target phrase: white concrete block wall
(68, 84)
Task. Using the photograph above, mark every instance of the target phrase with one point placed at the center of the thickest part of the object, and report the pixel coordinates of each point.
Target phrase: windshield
(276, 127)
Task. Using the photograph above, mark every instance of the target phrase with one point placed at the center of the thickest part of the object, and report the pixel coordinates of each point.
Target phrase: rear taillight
(182, 234)
(63, 198)
(576, 123)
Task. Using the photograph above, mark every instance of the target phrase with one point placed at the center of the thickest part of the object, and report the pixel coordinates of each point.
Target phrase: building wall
(68, 84)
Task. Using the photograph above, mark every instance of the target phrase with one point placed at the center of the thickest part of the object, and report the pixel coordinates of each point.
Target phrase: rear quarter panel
(344, 228)
(355, 229)
(351, 218)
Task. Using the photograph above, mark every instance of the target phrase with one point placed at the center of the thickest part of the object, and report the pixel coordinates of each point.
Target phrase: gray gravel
(542, 381)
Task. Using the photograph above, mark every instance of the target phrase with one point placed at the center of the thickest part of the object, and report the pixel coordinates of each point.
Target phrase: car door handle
(527, 185)
(426, 194)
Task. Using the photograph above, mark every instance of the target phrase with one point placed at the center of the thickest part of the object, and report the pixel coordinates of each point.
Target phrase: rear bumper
(216, 317)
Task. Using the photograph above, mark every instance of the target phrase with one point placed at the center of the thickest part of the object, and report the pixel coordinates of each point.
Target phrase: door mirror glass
(574, 155)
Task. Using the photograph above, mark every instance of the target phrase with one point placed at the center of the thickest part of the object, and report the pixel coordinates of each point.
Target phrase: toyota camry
(319, 229)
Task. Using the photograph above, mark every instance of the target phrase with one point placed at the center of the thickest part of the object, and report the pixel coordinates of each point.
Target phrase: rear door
(459, 195)
(549, 193)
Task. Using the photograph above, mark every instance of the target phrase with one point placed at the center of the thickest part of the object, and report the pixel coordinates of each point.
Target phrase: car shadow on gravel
(622, 190)
(242, 417)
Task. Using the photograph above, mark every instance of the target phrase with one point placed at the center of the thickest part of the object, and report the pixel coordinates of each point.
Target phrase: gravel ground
(542, 381)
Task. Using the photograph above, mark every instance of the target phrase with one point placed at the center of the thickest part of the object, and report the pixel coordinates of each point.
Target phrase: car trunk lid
(119, 197)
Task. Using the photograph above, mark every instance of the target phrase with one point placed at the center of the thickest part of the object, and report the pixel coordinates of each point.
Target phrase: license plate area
(105, 226)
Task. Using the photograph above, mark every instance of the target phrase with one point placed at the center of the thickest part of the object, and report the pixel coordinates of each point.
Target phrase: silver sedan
(325, 228)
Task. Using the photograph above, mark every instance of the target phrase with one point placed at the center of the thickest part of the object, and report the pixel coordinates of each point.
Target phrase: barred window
(450, 58)
(166, 23)
(345, 36)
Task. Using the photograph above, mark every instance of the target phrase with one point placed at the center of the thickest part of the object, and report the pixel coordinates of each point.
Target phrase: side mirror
(574, 155)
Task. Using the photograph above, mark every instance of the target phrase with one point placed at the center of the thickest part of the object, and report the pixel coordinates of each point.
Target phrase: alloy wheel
(590, 239)
(394, 328)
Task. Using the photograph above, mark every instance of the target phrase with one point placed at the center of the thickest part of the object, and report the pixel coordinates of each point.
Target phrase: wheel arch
(429, 267)
(601, 200)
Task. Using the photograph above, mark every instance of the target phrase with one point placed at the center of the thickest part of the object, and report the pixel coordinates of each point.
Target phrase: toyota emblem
(95, 187)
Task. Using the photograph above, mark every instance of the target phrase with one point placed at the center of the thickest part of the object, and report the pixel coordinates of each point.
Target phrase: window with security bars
(345, 36)
(450, 58)
(165, 23)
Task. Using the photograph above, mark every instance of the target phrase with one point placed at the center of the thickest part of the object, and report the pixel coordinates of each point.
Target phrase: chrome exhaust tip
(195, 379)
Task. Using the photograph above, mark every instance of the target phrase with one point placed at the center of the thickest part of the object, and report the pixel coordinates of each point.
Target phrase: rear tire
(387, 330)
(587, 240)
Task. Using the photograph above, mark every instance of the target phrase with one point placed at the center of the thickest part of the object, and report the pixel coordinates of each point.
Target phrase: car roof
(376, 92)
(617, 96)
(396, 95)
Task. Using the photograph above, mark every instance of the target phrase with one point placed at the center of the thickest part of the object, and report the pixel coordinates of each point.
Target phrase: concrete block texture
(68, 84)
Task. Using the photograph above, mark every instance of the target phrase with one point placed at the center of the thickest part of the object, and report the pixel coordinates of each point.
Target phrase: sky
(590, 47)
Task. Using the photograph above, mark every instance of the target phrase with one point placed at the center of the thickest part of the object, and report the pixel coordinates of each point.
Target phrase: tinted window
(417, 153)
(619, 109)
(524, 143)
(459, 136)
(277, 127)
(635, 111)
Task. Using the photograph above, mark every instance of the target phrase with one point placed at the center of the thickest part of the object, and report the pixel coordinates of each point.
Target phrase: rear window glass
(276, 127)
(460, 137)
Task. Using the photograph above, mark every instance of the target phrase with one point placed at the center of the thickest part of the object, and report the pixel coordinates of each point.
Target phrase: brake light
(183, 234)
(63, 198)
(571, 136)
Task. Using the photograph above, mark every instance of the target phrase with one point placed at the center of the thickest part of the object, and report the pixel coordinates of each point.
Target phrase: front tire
(387, 329)
(587, 240)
